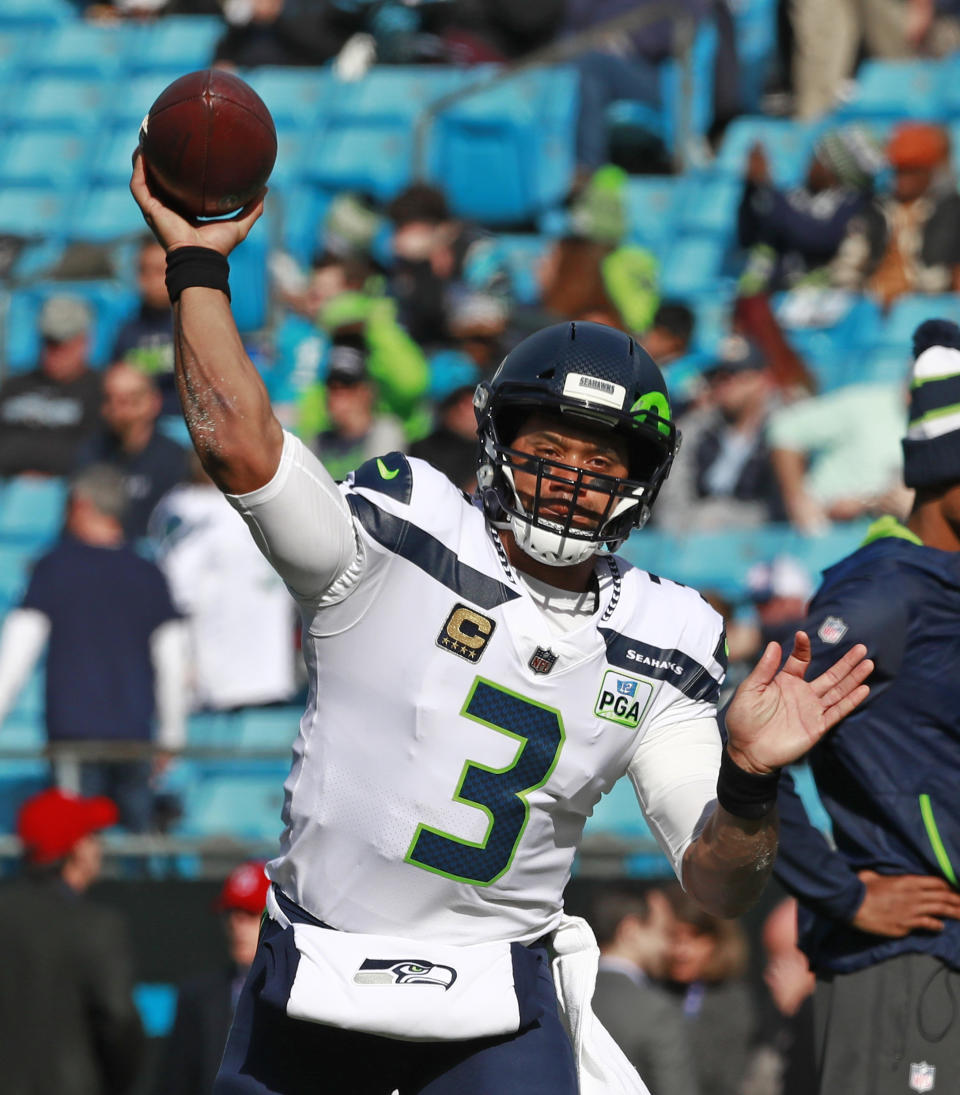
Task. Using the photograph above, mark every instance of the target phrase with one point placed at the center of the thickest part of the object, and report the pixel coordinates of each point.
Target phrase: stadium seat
(618, 814)
(245, 807)
(523, 254)
(105, 213)
(390, 92)
(16, 45)
(31, 511)
(692, 265)
(789, 145)
(85, 49)
(268, 727)
(712, 311)
(124, 113)
(294, 96)
(374, 159)
(157, 1005)
(293, 148)
(43, 14)
(63, 102)
(831, 330)
(249, 282)
(888, 364)
(19, 779)
(175, 44)
(755, 29)
(909, 312)
(519, 133)
(34, 213)
(888, 90)
(40, 159)
(299, 212)
(651, 203)
(111, 302)
(708, 202)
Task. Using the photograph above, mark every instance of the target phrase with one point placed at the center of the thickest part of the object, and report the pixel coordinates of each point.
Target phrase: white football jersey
(454, 745)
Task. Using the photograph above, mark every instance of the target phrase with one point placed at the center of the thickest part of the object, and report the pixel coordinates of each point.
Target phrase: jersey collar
(888, 526)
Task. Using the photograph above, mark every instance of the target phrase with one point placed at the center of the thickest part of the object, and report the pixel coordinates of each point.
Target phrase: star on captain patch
(543, 660)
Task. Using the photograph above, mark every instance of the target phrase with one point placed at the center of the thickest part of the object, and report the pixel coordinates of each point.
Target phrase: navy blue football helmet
(600, 378)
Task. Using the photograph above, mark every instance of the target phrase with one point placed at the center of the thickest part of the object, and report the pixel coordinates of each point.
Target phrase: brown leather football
(208, 143)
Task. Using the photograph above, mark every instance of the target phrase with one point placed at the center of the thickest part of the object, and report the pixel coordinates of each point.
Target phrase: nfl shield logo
(543, 660)
(832, 630)
(922, 1076)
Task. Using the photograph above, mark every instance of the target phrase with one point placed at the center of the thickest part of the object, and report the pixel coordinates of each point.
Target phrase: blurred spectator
(45, 415)
(782, 1062)
(452, 445)
(837, 456)
(478, 329)
(436, 257)
(68, 1023)
(282, 32)
(146, 339)
(722, 476)
(205, 1003)
(150, 462)
(633, 932)
(115, 655)
(357, 432)
(668, 340)
(793, 235)
(706, 967)
(483, 31)
(823, 63)
(907, 241)
(779, 590)
(239, 614)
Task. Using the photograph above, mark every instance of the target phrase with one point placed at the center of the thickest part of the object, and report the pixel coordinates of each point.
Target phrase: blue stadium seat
(16, 45)
(85, 49)
(909, 312)
(374, 158)
(111, 302)
(175, 44)
(241, 806)
(789, 145)
(523, 254)
(157, 1005)
(831, 329)
(45, 14)
(708, 203)
(19, 779)
(299, 211)
(268, 727)
(520, 133)
(692, 265)
(755, 28)
(896, 89)
(885, 365)
(34, 213)
(396, 91)
(31, 511)
(293, 147)
(125, 112)
(618, 814)
(62, 102)
(249, 281)
(41, 158)
(18, 550)
(652, 203)
(712, 311)
(105, 213)
(112, 163)
(294, 96)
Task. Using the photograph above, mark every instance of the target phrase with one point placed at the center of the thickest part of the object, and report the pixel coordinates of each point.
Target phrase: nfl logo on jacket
(922, 1076)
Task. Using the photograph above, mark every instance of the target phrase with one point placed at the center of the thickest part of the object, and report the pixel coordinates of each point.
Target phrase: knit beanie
(853, 153)
(931, 449)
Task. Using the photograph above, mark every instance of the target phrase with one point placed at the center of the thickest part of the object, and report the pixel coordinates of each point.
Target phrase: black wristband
(189, 266)
(745, 794)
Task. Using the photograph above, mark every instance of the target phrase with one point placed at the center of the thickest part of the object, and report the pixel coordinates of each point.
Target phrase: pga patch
(922, 1076)
(832, 630)
(623, 699)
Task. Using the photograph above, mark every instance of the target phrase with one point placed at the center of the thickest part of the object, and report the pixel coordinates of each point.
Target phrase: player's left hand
(775, 718)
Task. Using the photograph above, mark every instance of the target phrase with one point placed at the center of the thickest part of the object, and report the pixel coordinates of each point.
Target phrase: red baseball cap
(50, 823)
(245, 888)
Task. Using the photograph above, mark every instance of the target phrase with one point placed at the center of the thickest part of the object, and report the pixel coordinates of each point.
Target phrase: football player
(482, 671)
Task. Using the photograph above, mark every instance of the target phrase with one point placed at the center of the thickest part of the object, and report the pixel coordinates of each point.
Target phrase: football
(208, 143)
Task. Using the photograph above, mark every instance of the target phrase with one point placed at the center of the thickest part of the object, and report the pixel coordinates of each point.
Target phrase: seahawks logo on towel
(404, 971)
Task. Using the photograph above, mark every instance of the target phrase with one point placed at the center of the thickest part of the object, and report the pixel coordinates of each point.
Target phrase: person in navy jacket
(879, 911)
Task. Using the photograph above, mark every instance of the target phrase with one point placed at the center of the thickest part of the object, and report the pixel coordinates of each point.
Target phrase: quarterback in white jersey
(481, 672)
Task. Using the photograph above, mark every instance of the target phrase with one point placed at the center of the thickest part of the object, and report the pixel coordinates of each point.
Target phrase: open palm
(777, 717)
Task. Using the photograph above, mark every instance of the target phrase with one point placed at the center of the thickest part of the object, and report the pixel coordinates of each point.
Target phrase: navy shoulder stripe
(390, 475)
(673, 666)
(425, 551)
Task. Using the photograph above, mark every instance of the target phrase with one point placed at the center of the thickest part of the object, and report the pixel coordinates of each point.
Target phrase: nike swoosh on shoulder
(385, 472)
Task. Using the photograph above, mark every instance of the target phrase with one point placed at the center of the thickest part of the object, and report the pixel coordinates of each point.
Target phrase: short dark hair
(419, 202)
(674, 316)
(611, 907)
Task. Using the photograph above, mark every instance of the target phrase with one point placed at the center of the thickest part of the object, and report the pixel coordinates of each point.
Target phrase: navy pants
(269, 1053)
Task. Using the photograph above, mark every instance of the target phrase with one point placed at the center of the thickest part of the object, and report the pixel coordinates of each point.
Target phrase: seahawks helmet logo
(404, 971)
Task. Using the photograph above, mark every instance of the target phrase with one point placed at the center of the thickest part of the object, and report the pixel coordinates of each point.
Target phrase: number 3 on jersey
(499, 792)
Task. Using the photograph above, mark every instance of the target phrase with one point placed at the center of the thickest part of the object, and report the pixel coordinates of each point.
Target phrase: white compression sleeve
(24, 634)
(301, 522)
(674, 773)
(168, 649)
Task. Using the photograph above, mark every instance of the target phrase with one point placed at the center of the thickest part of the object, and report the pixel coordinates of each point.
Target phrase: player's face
(559, 441)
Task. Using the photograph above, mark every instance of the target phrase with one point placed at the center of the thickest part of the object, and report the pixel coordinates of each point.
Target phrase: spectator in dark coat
(205, 1004)
(150, 462)
(68, 1023)
(46, 414)
(794, 234)
(282, 32)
